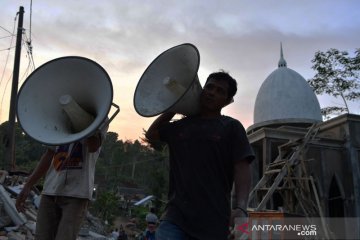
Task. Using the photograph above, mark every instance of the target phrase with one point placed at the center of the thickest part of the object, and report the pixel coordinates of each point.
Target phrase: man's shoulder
(233, 125)
(229, 120)
(223, 119)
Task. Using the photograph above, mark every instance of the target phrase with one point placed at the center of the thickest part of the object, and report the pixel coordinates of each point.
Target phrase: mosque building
(304, 166)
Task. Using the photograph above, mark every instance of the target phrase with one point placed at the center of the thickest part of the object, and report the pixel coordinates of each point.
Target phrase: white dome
(285, 98)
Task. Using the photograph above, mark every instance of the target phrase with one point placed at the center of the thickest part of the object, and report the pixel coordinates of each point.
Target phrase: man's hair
(224, 76)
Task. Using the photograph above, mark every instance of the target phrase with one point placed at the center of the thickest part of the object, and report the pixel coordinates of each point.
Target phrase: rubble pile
(21, 226)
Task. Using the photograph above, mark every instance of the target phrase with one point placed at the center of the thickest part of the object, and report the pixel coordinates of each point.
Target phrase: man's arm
(242, 181)
(152, 134)
(38, 173)
(93, 142)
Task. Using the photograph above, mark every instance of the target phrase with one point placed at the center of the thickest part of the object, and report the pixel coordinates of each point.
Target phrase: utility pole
(10, 144)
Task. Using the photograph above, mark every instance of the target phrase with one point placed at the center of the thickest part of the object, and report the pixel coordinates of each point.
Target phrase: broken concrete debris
(21, 226)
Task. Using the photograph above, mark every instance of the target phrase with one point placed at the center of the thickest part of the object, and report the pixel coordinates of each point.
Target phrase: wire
(6, 62)
(25, 74)
(6, 29)
(10, 47)
(28, 47)
(27, 44)
(6, 36)
(7, 49)
(30, 22)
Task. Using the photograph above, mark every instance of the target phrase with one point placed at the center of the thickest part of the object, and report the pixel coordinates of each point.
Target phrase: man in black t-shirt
(208, 153)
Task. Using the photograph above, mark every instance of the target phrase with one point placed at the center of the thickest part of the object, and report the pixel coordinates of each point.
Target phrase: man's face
(214, 95)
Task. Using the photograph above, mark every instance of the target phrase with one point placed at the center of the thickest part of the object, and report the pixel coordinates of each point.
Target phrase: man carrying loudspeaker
(64, 104)
(68, 187)
(208, 153)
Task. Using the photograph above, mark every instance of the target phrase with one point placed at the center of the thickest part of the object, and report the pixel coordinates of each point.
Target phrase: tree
(27, 150)
(337, 74)
(106, 206)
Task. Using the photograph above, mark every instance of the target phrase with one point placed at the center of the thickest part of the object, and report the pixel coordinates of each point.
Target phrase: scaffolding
(287, 176)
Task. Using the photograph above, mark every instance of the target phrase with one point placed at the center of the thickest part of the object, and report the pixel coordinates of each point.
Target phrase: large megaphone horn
(170, 83)
(65, 100)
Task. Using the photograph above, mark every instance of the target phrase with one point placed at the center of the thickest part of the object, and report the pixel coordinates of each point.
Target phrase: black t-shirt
(202, 155)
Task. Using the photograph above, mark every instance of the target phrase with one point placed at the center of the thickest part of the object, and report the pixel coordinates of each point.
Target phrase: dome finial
(282, 62)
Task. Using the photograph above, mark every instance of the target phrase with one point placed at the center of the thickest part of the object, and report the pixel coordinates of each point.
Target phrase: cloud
(242, 37)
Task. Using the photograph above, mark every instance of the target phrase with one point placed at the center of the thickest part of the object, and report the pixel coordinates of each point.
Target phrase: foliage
(140, 212)
(130, 163)
(133, 165)
(106, 206)
(27, 151)
(337, 74)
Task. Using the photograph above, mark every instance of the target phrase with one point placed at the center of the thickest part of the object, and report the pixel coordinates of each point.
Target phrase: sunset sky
(240, 36)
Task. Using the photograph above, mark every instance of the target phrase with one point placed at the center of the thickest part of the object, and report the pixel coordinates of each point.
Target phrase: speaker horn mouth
(50, 95)
(167, 80)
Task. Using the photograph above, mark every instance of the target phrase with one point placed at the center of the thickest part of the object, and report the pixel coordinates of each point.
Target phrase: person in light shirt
(69, 183)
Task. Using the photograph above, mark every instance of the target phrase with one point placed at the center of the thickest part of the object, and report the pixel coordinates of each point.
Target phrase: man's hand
(21, 198)
(238, 218)
(237, 214)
